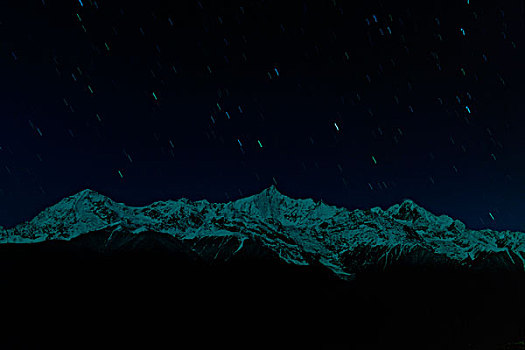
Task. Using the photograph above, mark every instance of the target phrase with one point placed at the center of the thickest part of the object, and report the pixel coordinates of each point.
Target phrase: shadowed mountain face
(294, 231)
(89, 271)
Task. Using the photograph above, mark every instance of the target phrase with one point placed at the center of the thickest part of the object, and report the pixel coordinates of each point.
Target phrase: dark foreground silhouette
(63, 294)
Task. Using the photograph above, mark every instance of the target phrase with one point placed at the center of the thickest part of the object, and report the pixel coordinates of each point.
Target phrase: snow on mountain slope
(298, 231)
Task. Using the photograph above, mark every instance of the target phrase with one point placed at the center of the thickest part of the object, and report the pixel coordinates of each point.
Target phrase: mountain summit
(295, 231)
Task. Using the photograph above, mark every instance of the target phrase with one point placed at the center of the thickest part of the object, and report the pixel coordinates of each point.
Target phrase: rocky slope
(270, 224)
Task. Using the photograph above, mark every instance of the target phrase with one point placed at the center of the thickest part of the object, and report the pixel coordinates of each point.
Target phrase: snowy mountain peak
(83, 212)
(271, 192)
(268, 203)
(87, 193)
(409, 210)
(295, 230)
(87, 201)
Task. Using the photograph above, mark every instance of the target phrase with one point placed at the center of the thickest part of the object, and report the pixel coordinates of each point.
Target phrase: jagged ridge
(298, 231)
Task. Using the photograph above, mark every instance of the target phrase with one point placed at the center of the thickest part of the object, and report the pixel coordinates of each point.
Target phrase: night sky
(357, 103)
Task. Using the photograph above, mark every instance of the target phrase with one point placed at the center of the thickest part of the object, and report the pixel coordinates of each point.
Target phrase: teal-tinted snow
(84, 212)
(299, 231)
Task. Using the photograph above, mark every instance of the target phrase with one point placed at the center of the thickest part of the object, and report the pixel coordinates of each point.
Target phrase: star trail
(360, 104)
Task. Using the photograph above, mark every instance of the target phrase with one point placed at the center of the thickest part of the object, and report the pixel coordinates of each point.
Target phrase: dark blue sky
(358, 104)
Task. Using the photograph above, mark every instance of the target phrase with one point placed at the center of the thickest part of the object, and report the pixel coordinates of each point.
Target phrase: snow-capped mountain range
(296, 231)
